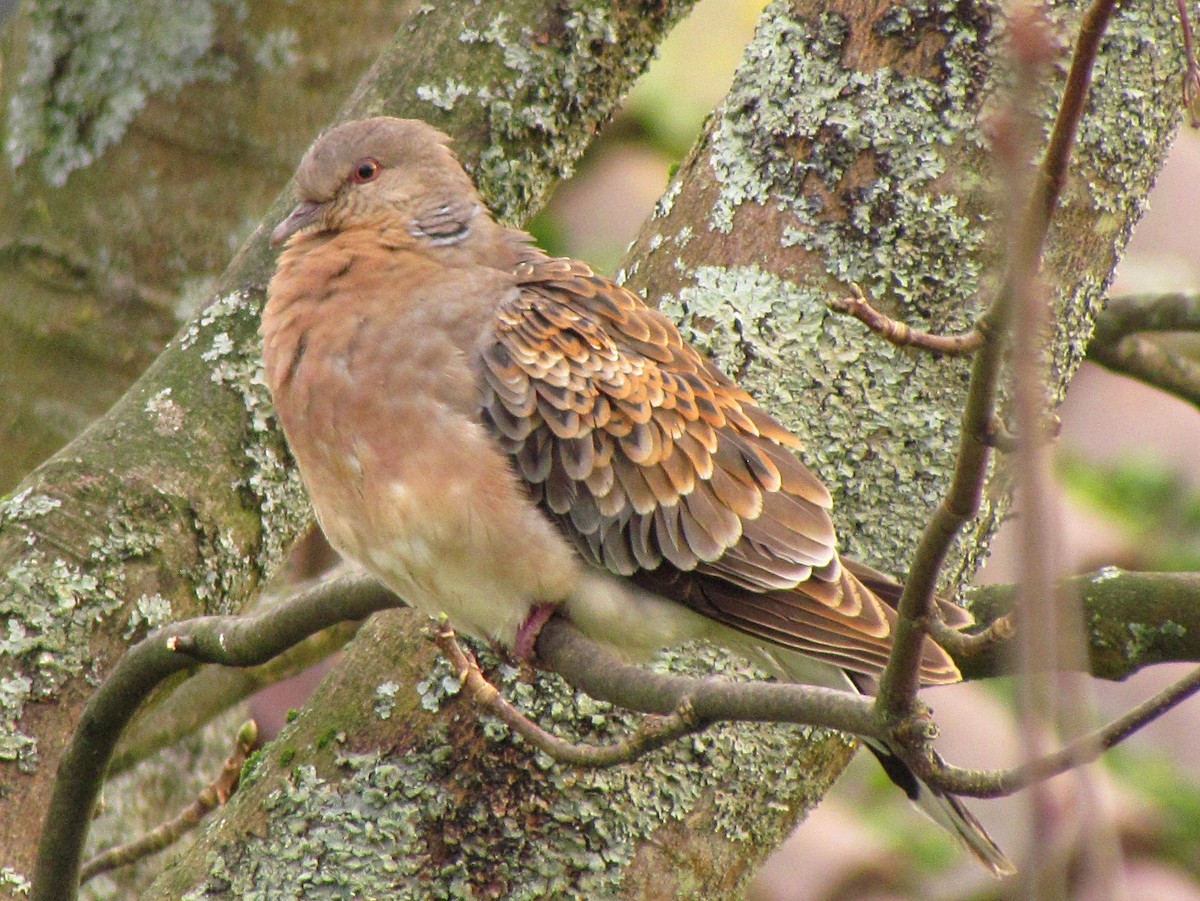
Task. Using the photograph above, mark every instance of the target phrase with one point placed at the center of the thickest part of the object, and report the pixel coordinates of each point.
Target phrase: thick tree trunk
(147, 140)
(182, 499)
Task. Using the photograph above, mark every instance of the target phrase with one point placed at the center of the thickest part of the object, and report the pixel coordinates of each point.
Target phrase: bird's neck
(327, 282)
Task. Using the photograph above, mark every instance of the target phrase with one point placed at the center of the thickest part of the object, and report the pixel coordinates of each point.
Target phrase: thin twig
(1191, 75)
(249, 640)
(998, 437)
(1117, 346)
(901, 679)
(210, 798)
(1087, 748)
(1053, 172)
(1128, 314)
(1038, 605)
(653, 732)
(230, 640)
(595, 670)
(901, 334)
(959, 644)
(164, 721)
(1148, 361)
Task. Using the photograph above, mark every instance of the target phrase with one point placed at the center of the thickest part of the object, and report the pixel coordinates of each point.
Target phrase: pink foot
(527, 635)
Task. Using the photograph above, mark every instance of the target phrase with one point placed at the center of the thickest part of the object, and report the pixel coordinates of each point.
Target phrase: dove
(501, 436)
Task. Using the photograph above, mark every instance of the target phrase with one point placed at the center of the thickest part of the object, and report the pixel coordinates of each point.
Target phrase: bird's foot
(527, 636)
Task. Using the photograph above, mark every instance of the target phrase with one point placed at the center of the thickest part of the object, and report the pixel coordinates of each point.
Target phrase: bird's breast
(379, 402)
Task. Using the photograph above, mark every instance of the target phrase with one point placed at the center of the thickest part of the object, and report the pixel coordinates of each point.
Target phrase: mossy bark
(146, 140)
(181, 499)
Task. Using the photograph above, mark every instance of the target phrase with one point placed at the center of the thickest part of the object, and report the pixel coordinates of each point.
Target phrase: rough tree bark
(111, 227)
(848, 149)
(181, 500)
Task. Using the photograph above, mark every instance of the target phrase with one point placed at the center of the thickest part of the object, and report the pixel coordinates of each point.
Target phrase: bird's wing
(658, 467)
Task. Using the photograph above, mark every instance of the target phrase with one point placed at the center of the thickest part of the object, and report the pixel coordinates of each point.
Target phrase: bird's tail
(944, 809)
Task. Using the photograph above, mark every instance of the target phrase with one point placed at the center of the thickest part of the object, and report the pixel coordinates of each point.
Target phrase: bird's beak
(305, 214)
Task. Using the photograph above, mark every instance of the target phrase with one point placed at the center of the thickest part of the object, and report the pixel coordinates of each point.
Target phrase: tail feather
(945, 809)
(942, 807)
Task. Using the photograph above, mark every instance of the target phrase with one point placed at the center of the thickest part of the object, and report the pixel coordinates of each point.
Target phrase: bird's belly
(409, 485)
(481, 555)
(453, 579)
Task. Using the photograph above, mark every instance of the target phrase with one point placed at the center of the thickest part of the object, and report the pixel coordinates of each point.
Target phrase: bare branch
(654, 731)
(684, 703)
(1128, 314)
(210, 798)
(591, 668)
(901, 334)
(1117, 346)
(160, 723)
(898, 687)
(994, 784)
(961, 644)
(230, 640)
(1149, 362)
(1134, 620)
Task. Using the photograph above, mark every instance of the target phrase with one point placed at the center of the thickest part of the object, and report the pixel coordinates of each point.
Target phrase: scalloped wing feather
(659, 467)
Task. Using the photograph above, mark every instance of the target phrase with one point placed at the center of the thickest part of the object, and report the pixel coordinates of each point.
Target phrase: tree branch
(901, 334)
(160, 723)
(653, 732)
(1149, 362)
(1128, 314)
(687, 703)
(1133, 620)
(210, 798)
(1117, 345)
(1191, 74)
(229, 640)
(1083, 750)
(900, 681)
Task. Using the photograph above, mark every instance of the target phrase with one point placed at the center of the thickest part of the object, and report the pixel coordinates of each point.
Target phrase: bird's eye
(364, 170)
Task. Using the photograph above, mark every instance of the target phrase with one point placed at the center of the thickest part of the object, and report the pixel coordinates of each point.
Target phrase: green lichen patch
(15, 746)
(168, 416)
(148, 613)
(603, 816)
(569, 69)
(445, 95)
(385, 699)
(855, 157)
(271, 479)
(27, 505)
(49, 608)
(14, 882)
(91, 68)
(460, 808)
(440, 684)
(1144, 639)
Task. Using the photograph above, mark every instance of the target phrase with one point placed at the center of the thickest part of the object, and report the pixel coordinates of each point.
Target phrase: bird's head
(382, 173)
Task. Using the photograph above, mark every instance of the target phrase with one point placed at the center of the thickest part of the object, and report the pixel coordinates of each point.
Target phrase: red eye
(364, 170)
